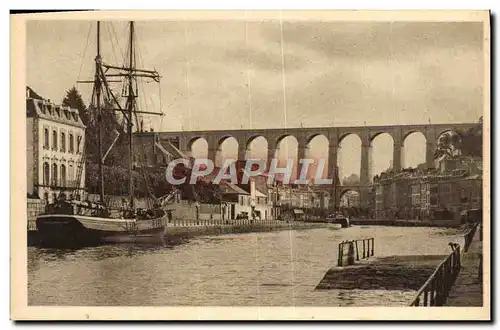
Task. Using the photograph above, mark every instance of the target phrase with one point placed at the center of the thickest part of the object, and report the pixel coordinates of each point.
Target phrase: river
(254, 269)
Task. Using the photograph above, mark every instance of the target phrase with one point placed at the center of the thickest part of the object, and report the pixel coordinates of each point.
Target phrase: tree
(465, 142)
(449, 145)
(351, 180)
(73, 99)
(472, 141)
(118, 155)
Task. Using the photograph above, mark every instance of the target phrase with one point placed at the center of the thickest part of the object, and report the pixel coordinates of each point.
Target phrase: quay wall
(405, 223)
(34, 207)
(209, 228)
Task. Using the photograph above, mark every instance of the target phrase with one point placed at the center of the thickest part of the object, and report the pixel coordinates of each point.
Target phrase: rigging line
(117, 42)
(249, 87)
(186, 45)
(286, 143)
(111, 41)
(84, 52)
(142, 82)
(145, 82)
(161, 107)
(283, 84)
(392, 66)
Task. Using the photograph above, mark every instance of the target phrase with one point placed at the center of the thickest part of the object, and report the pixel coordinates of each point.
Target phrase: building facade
(55, 148)
(437, 195)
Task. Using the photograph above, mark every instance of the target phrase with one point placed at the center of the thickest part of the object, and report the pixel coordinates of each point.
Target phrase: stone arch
(349, 156)
(318, 149)
(377, 134)
(224, 138)
(286, 151)
(346, 134)
(411, 159)
(381, 156)
(193, 139)
(413, 131)
(342, 194)
(194, 146)
(315, 135)
(221, 152)
(281, 137)
(256, 138)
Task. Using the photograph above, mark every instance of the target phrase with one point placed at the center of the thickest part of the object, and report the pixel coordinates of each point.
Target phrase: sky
(269, 74)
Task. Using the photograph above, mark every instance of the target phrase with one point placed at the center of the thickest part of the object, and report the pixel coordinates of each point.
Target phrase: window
(46, 138)
(71, 143)
(63, 142)
(54, 174)
(63, 175)
(78, 143)
(46, 174)
(54, 140)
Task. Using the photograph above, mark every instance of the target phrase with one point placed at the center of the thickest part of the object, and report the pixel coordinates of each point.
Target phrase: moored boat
(74, 223)
(337, 221)
(83, 223)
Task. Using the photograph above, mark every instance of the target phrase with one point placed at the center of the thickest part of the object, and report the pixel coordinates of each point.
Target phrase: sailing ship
(83, 223)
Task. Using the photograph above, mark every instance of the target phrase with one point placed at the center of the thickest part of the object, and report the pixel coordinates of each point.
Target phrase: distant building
(150, 151)
(302, 197)
(435, 195)
(55, 146)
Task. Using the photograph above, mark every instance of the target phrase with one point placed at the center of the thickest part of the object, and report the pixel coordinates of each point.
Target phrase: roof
(169, 149)
(30, 93)
(40, 108)
(229, 188)
(259, 194)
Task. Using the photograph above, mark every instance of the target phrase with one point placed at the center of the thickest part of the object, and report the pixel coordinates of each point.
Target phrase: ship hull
(58, 230)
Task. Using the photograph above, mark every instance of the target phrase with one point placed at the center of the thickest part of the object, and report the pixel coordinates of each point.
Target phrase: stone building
(54, 149)
(150, 151)
(430, 195)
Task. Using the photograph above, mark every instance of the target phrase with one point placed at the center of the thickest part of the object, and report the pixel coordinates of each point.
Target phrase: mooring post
(350, 254)
(357, 251)
(364, 250)
(373, 245)
(339, 263)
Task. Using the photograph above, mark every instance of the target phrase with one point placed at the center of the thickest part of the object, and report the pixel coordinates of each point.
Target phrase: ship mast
(97, 89)
(130, 73)
(130, 108)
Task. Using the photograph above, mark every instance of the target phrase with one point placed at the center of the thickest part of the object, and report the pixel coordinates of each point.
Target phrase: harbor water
(253, 269)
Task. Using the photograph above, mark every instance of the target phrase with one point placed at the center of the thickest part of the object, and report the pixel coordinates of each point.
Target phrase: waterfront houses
(437, 194)
(55, 147)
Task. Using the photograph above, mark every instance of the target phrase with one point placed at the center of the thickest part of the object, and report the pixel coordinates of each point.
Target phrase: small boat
(337, 221)
(84, 223)
(334, 226)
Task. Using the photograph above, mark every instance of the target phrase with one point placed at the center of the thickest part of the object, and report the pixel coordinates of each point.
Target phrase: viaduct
(334, 135)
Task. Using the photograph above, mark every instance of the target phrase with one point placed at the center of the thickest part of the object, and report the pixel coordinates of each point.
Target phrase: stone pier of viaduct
(334, 135)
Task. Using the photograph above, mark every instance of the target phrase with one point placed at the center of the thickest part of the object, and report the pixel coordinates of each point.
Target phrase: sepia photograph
(272, 165)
